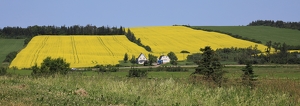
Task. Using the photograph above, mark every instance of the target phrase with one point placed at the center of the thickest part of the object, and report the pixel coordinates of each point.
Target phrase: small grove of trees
(133, 59)
(51, 66)
(151, 59)
(130, 36)
(173, 58)
(209, 66)
(281, 55)
(253, 55)
(278, 23)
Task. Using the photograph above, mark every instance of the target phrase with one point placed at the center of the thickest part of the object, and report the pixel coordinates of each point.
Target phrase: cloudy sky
(134, 13)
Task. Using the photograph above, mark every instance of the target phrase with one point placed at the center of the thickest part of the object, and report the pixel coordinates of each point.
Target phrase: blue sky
(134, 13)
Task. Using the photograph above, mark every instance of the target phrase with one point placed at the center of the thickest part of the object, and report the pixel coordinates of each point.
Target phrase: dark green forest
(30, 31)
(278, 24)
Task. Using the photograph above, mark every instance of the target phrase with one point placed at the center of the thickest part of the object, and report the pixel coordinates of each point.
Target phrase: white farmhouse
(163, 59)
(141, 59)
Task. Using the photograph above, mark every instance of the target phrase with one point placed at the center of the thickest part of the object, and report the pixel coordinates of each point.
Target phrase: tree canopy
(30, 31)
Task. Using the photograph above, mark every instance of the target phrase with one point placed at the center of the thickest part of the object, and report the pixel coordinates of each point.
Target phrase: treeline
(130, 36)
(277, 46)
(230, 34)
(278, 24)
(30, 31)
(253, 55)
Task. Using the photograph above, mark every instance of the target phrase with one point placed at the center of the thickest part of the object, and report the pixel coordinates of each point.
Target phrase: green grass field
(281, 72)
(9, 45)
(274, 87)
(262, 33)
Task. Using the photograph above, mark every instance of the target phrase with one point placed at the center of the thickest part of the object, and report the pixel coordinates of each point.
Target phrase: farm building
(141, 59)
(163, 59)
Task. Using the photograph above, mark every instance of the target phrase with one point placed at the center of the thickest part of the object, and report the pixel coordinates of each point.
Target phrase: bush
(134, 72)
(3, 70)
(107, 68)
(171, 69)
(51, 66)
(11, 56)
(175, 69)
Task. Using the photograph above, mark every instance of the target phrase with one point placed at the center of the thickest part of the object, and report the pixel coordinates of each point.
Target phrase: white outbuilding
(163, 59)
(141, 59)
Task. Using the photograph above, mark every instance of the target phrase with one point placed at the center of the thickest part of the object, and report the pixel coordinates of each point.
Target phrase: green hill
(9, 45)
(261, 33)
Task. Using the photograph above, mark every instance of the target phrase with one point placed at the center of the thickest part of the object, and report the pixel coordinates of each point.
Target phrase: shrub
(171, 69)
(11, 56)
(51, 66)
(134, 72)
(3, 70)
(107, 68)
(175, 69)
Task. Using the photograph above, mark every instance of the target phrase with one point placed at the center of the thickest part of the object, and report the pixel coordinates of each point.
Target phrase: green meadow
(275, 86)
(262, 33)
(9, 45)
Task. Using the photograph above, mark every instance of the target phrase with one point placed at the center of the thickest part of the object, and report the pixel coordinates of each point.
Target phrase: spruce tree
(125, 58)
(210, 67)
(248, 76)
(133, 59)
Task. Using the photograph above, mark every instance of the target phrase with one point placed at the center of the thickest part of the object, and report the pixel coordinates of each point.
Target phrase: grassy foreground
(262, 33)
(105, 89)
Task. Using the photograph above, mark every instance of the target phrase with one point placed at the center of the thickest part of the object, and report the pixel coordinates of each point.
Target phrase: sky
(136, 13)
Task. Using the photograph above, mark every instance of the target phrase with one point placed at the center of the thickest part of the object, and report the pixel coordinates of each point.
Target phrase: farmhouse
(163, 59)
(141, 59)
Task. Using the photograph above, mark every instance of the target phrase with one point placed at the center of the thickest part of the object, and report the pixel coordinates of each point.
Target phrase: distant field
(262, 33)
(163, 39)
(9, 45)
(79, 51)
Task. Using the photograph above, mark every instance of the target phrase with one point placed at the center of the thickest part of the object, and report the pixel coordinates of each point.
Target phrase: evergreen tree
(210, 67)
(125, 58)
(248, 75)
(133, 59)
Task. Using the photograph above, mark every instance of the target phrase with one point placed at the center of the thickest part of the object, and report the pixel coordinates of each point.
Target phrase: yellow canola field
(79, 51)
(163, 39)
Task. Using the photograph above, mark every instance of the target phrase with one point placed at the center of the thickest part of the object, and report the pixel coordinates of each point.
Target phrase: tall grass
(101, 89)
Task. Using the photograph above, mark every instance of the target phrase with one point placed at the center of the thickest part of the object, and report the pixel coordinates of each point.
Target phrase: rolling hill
(9, 45)
(88, 51)
(262, 33)
(163, 39)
